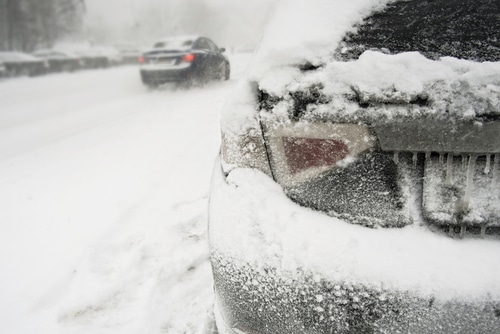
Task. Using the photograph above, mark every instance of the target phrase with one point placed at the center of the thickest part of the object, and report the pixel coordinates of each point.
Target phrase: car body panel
(60, 61)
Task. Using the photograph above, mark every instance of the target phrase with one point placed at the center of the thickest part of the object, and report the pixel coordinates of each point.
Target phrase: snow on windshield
(398, 85)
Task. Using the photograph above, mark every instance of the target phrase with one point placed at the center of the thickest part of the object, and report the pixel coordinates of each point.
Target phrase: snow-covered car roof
(52, 53)
(13, 56)
(305, 31)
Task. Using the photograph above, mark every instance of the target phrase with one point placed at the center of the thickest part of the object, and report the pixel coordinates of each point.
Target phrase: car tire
(225, 72)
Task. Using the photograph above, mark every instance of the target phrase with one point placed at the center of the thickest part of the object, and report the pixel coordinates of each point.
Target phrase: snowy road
(103, 192)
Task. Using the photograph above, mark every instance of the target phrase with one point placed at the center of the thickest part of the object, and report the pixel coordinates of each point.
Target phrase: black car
(184, 59)
(22, 64)
(358, 185)
(93, 60)
(60, 61)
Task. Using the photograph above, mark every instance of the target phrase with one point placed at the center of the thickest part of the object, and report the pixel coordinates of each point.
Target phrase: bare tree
(28, 24)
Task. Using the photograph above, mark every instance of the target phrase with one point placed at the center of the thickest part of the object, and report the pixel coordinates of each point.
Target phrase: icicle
(464, 161)
(496, 164)
(441, 158)
(487, 169)
(428, 157)
(470, 181)
(395, 158)
(449, 169)
(415, 157)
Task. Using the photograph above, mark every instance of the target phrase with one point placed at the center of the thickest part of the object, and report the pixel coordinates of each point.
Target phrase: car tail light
(304, 153)
(189, 58)
(141, 59)
(301, 151)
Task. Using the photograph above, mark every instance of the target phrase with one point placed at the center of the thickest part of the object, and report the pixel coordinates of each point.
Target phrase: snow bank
(104, 193)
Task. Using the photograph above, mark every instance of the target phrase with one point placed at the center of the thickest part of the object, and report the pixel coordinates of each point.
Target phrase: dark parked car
(358, 185)
(98, 57)
(22, 64)
(60, 61)
(111, 54)
(185, 59)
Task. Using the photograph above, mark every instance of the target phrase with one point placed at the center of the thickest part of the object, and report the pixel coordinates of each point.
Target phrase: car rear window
(173, 44)
(466, 29)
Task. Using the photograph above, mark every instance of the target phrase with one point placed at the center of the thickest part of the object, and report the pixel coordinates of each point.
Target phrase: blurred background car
(113, 55)
(60, 61)
(22, 64)
(359, 177)
(184, 59)
(96, 57)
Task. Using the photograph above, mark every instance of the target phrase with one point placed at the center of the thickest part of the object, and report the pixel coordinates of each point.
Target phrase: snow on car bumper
(165, 73)
(281, 268)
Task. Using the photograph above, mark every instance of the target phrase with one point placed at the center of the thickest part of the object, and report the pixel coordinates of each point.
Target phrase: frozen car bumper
(163, 74)
(281, 268)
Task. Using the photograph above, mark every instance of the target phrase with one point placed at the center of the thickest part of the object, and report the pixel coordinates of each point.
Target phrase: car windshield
(461, 29)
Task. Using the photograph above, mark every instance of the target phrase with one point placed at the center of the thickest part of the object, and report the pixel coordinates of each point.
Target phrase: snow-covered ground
(103, 191)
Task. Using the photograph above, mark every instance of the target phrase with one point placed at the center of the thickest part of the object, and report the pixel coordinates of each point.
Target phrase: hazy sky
(235, 22)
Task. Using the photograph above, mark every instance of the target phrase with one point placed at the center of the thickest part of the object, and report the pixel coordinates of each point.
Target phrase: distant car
(93, 58)
(184, 59)
(112, 54)
(358, 184)
(60, 61)
(22, 64)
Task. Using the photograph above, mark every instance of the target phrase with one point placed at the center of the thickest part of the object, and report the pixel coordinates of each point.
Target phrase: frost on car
(359, 181)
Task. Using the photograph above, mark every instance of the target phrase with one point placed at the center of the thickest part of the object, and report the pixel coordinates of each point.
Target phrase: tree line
(26, 25)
